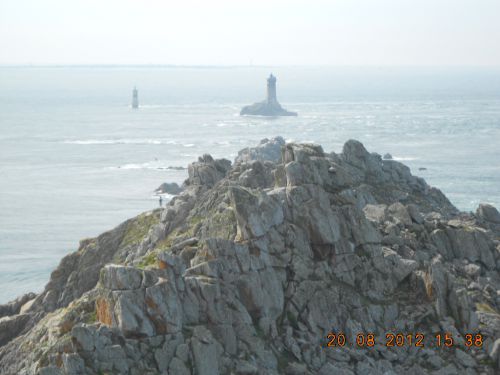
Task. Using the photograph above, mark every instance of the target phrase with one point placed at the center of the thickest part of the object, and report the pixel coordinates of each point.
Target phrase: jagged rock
(252, 265)
(495, 352)
(115, 277)
(205, 352)
(464, 359)
(255, 214)
(489, 213)
(267, 150)
(73, 364)
(11, 326)
(207, 171)
(376, 212)
(50, 370)
(14, 307)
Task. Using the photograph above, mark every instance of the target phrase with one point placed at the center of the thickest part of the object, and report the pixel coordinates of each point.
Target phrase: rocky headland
(255, 262)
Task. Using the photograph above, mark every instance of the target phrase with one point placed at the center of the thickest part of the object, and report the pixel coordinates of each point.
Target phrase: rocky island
(268, 107)
(251, 267)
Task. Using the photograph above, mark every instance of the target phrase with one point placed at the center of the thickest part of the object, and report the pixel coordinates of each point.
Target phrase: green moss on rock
(139, 227)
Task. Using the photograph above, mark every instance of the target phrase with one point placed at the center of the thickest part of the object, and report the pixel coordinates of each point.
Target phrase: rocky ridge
(254, 263)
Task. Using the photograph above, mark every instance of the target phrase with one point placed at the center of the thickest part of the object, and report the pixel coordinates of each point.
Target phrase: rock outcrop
(255, 263)
(169, 188)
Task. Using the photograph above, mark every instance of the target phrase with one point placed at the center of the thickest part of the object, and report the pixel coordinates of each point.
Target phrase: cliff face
(254, 264)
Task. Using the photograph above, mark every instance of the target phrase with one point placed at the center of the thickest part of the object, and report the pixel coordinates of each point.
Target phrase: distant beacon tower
(135, 98)
(271, 89)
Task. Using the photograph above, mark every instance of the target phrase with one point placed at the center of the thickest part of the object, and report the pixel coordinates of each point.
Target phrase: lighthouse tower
(135, 98)
(271, 90)
(269, 106)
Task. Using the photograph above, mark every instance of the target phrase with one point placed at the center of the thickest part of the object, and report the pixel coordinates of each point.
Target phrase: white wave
(165, 196)
(404, 158)
(150, 165)
(125, 141)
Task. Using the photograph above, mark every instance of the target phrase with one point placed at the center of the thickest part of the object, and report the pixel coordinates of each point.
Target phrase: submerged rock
(169, 188)
(252, 265)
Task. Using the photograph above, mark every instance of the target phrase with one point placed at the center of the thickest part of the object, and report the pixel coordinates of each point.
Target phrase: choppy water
(76, 160)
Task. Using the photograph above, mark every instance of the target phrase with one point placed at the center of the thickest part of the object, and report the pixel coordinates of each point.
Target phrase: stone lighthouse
(268, 107)
(271, 90)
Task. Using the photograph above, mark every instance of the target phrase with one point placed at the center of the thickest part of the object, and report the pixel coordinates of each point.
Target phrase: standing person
(161, 201)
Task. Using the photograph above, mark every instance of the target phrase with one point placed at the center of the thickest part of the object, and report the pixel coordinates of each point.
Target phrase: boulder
(207, 171)
(266, 150)
(11, 326)
(488, 213)
(169, 188)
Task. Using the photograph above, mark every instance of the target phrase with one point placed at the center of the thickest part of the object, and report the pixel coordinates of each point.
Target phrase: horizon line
(202, 66)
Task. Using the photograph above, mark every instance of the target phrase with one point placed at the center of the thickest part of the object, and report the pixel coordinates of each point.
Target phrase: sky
(258, 32)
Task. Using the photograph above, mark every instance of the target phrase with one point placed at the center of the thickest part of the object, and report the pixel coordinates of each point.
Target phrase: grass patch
(139, 227)
(195, 220)
(292, 319)
(91, 317)
(148, 260)
(222, 224)
(484, 307)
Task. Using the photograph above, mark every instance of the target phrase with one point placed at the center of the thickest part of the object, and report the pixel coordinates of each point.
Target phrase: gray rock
(255, 214)
(14, 307)
(488, 213)
(376, 212)
(178, 367)
(266, 150)
(130, 315)
(207, 171)
(84, 337)
(11, 326)
(205, 353)
(494, 352)
(169, 188)
(400, 214)
(50, 370)
(73, 364)
(473, 270)
(464, 359)
(116, 277)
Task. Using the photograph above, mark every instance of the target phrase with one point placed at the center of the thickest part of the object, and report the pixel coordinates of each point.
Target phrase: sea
(76, 159)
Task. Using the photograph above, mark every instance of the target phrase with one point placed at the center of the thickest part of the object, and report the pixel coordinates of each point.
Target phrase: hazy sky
(264, 32)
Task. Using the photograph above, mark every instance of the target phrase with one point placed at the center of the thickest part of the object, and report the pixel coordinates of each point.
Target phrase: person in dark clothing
(161, 201)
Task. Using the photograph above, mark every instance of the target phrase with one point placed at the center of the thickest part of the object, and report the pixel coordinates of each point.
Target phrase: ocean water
(76, 160)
